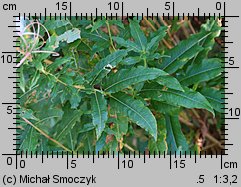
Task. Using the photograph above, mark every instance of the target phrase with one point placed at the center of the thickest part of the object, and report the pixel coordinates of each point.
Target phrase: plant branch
(110, 36)
(208, 136)
(47, 136)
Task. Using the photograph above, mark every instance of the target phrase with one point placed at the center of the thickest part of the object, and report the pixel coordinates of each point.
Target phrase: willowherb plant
(119, 85)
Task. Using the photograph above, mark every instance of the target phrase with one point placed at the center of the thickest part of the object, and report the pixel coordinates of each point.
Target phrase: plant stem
(195, 86)
(110, 36)
(169, 46)
(47, 136)
(145, 63)
(208, 136)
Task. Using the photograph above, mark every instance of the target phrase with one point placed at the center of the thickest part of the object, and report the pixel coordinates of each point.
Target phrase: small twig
(185, 32)
(128, 147)
(191, 27)
(110, 36)
(169, 46)
(207, 135)
(168, 30)
(23, 59)
(208, 147)
(47, 136)
(149, 24)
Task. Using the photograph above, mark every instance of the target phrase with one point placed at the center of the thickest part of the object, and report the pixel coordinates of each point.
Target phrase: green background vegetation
(120, 85)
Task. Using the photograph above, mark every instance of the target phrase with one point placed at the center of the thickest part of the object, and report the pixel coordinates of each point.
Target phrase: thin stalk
(110, 36)
(145, 63)
(169, 46)
(47, 136)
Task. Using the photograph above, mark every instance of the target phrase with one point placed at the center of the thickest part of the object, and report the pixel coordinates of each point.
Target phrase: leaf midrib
(173, 135)
(198, 73)
(119, 82)
(185, 51)
(153, 130)
(100, 116)
(142, 46)
(67, 126)
(101, 69)
(214, 99)
(177, 95)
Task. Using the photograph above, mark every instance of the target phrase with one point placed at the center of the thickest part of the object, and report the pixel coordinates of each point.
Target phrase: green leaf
(180, 54)
(164, 107)
(87, 127)
(95, 36)
(120, 126)
(54, 24)
(126, 77)
(99, 23)
(189, 98)
(68, 121)
(176, 141)
(207, 44)
(136, 111)
(21, 80)
(159, 146)
(34, 80)
(29, 139)
(100, 144)
(70, 35)
(27, 114)
(75, 100)
(138, 35)
(51, 44)
(169, 82)
(204, 71)
(129, 45)
(99, 112)
(131, 60)
(111, 60)
(214, 97)
(117, 22)
(153, 44)
(57, 63)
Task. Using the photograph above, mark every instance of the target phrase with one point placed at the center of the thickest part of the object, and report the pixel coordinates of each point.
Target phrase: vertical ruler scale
(139, 168)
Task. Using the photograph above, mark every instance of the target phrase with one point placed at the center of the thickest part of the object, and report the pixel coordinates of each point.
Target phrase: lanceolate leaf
(67, 123)
(213, 27)
(120, 126)
(214, 97)
(169, 82)
(153, 44)
(29, 139)
(176, 141)
(136, 111)
(188, 98)
(131, 60)
(138, 35)
(55, 23)
(124, 78)
(180, 54)
(111, 60)
(129, 45)
(203, 71)
(160, 145)
(99, 23)
(94, 36)
(70, 35)
(57, 63)
(99, 112)
(164, 107)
